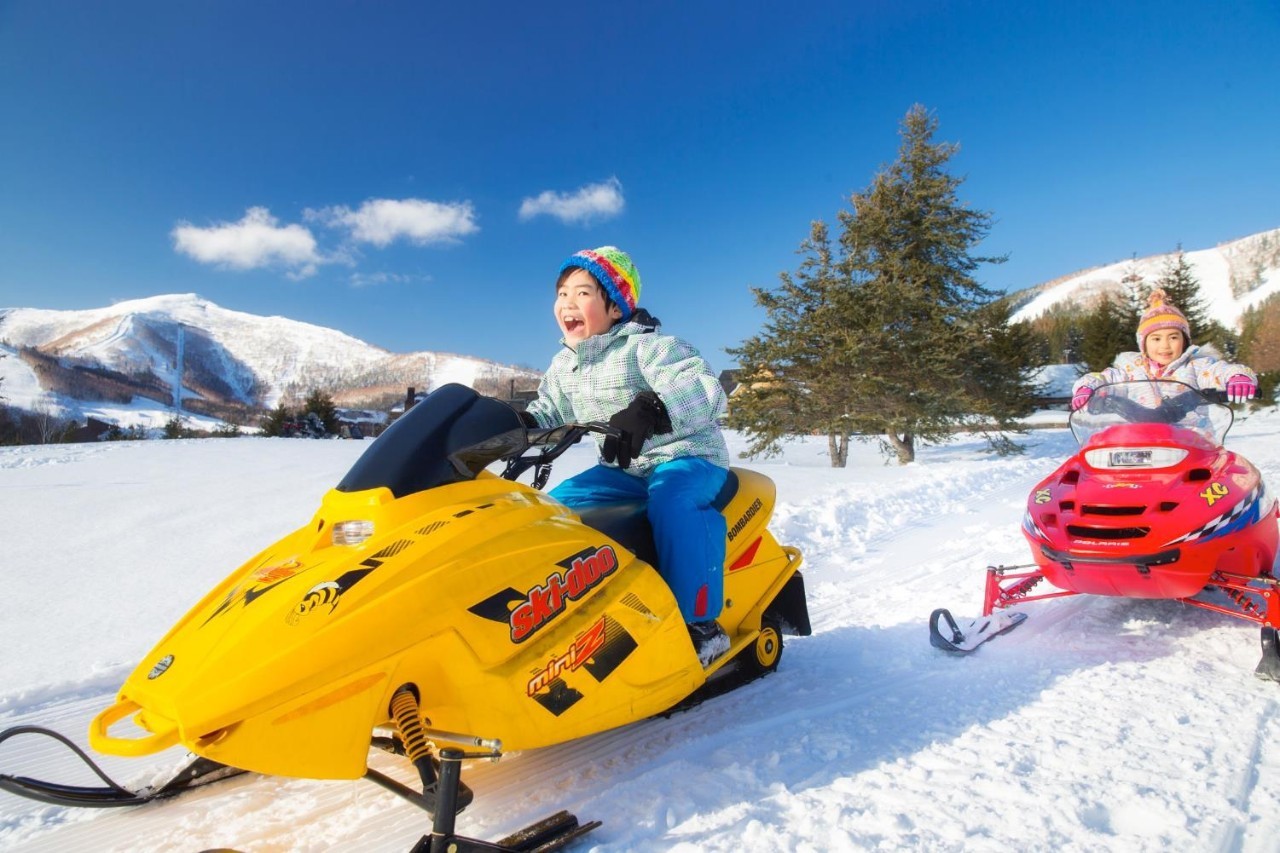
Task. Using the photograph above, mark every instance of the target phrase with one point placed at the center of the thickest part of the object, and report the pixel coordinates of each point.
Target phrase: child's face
(1165, 345)
(580, 310)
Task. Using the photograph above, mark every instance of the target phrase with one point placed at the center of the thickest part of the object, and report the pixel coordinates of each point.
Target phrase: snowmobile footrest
(1269, 666)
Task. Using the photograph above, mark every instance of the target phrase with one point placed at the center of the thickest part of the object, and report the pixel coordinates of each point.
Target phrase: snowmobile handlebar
(1160, 401)
(454, 435)
(553, 443)
(1170, 410)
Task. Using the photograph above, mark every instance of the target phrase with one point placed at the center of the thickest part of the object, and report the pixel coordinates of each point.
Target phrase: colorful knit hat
(1161, 314)
(615, 272)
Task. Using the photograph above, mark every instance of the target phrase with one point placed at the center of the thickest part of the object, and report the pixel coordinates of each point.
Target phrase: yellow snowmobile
(433, 607)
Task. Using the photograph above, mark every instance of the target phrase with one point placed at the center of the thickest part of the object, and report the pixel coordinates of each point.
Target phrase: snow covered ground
(1100, 724)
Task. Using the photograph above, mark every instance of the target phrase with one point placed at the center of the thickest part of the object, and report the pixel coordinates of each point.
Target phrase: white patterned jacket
(1199, 367)
(606, 372)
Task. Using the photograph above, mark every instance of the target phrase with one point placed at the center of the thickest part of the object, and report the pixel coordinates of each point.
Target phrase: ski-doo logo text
(584, 646)
(755, 507)
(583, 573)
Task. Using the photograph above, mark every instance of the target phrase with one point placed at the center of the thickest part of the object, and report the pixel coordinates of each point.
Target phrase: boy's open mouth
(571, 324)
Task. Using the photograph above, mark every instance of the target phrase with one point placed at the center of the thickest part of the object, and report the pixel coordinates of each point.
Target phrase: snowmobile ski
(201, 771)
(953, 638)
(1269, 666)
(550, 833)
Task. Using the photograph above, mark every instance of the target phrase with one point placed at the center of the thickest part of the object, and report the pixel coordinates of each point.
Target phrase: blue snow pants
(687, 531)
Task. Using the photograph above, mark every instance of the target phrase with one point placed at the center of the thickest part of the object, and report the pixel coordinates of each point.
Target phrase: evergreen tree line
(286, 420)
(1092, 336)
(44, 426)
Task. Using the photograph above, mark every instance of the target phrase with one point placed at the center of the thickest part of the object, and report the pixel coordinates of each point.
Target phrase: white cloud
(594, 201)
(391, 278)
(381, 221)
(257, 240)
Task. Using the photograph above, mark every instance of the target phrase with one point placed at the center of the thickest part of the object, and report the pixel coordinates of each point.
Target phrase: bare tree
(50, 428)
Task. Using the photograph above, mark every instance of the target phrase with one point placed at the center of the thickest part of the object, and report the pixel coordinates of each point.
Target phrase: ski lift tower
(177, 370)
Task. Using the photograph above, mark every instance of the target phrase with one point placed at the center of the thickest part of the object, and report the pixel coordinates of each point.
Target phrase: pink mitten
(1081, 397)
(1241, 388)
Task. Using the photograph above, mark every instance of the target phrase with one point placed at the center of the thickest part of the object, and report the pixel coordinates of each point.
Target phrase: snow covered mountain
(227, 357)
(1233, 277)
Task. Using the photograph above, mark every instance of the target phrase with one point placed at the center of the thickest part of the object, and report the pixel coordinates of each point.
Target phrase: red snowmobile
(1152, 506)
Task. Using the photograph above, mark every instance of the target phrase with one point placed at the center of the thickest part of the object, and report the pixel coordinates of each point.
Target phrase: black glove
(527, 420)
(645, 416)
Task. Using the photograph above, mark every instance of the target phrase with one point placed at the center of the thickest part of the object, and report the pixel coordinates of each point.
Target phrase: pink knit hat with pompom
(1161, 314)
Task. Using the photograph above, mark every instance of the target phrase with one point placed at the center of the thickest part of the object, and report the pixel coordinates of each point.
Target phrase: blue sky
(413, 173)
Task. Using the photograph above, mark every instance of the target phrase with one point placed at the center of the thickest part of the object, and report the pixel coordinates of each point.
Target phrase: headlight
(1135, 457)
(352, 532)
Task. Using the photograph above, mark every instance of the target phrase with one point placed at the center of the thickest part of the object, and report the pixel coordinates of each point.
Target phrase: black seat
(627, 522)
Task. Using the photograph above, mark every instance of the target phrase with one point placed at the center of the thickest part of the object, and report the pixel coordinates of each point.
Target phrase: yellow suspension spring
(404, 711)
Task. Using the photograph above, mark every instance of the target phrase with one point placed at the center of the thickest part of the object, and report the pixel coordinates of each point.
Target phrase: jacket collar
(1156, 371)
(640, 323)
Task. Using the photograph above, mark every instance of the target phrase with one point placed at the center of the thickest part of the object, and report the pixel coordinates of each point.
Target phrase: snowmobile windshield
(450, 436)
(1157, 401)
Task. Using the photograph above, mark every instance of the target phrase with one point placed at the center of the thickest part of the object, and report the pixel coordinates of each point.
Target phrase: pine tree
(996, 380)
(273, 424)
(1132, 300)
(1073, 344)
(789, 379)
(1183, 289)
(1105, 331)
(176, 428)
(321, 405)
(887, 332)
(919, 335)
(1133, 287)
(1057, 336)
